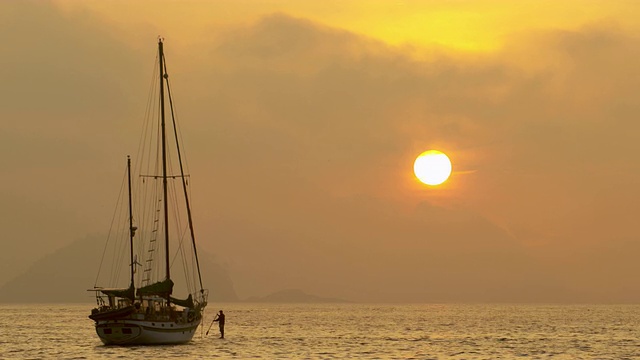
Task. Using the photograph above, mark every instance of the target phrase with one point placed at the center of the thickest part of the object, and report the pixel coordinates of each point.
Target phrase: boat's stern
(118, 333)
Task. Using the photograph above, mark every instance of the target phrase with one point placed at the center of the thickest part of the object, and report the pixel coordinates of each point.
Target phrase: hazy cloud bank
(301, 139)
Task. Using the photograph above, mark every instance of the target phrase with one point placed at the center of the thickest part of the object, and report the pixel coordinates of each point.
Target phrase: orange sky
(462, 24)
(303, 119)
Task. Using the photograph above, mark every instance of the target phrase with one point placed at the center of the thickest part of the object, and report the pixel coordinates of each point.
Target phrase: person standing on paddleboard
(220, 320)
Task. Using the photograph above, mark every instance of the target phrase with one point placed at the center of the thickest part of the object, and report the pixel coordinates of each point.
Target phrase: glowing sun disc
(432, 167)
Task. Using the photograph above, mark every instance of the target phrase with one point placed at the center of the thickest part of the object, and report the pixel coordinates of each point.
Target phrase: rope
(115, 211)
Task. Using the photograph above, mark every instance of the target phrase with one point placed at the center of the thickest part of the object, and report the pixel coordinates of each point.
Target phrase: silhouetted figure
(220, 319)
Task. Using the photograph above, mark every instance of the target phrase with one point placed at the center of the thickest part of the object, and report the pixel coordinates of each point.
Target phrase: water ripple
(347, 331)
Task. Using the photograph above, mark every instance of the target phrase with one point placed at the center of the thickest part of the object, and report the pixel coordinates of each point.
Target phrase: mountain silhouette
(65, 275)
(293, 296)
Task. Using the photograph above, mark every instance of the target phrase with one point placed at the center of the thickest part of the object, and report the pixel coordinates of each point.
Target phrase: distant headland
(293, 296)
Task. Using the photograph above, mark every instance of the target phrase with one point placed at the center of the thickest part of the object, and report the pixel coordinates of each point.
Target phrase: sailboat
(145, 312)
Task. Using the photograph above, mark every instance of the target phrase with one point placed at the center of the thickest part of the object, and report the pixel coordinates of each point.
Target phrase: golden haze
(303, 119)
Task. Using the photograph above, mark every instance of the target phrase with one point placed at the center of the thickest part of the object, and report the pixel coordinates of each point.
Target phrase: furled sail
(188, 302)
(161, 288)
(121, 293)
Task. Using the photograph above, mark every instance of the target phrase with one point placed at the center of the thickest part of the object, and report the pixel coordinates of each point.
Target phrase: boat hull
(143, 332)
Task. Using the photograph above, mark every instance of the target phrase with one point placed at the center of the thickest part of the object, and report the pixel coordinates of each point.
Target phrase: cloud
(301, 139)
(327, 123)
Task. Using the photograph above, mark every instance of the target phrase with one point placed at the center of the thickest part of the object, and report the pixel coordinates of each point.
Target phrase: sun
(432, 167)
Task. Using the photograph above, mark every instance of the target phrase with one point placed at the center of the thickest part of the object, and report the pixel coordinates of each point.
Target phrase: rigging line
(153, 221)
(139, 239)
(148, 110)
(173, 193)
(155, 251)
(117, 247)
(151, 195)
(149, 125)
(104, 250)
(184, 185)
(149, 204)
(187, 267)
(181, 250)
(141, 223)
(122, 257)
(151, 130)
(178, 225)
(177, 129)
(139, 249)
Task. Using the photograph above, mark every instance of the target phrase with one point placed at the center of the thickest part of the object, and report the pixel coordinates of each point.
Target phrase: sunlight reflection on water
(330, 331)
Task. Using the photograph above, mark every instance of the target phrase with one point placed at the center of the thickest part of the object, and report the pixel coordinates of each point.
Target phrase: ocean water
(331, 331)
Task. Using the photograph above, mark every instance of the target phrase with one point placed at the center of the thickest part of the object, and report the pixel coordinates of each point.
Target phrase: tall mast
(132, 230)
(164, 159)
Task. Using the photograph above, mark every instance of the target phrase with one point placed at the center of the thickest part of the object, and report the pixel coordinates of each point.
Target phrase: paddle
(214, 320)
